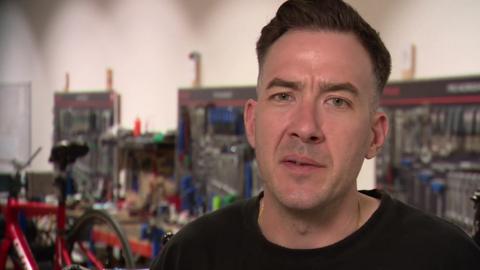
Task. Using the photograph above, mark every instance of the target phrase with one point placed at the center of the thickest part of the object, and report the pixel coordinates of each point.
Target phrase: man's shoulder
(406, 217)
(203, 241)
(426, 233)
(215, 224)
(400, 230)
(416, 222)
(427, 224)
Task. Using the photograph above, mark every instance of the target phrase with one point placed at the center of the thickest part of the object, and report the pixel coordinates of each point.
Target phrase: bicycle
(88, 242)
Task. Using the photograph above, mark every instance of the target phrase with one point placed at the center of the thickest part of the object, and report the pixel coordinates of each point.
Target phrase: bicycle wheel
(97, 236)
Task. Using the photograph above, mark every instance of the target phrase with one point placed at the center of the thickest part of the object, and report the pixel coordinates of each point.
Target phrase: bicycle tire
(81, 230)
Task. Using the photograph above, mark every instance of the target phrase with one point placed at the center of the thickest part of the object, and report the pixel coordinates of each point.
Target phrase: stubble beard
(297, 199)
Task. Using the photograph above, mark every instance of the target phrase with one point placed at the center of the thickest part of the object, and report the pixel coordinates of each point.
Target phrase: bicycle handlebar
(17, 165)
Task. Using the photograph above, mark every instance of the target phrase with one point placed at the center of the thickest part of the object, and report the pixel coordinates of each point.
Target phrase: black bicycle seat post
(62, 155)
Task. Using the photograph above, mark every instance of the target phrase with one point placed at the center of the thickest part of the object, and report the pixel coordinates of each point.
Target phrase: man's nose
(306, 123)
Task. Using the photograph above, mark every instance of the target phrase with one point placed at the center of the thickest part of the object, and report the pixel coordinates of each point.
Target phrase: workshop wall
(147, 43)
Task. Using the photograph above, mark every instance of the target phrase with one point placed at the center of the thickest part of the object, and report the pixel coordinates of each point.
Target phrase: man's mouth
(300, 161)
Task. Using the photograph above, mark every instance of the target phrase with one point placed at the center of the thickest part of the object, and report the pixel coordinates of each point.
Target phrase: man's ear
(249, 121)
(379, 134)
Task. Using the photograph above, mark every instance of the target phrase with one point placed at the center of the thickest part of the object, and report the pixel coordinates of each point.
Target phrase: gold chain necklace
(260, 211)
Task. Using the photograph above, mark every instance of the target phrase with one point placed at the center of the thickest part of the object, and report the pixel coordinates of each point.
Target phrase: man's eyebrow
(277, 82)
(324, 86)
(333, 87)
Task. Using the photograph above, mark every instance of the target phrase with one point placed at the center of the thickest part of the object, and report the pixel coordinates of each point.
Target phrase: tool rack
(85, 116)
(214, 162)
(431, 156)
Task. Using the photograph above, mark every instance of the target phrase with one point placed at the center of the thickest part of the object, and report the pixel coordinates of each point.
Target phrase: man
(321, 71)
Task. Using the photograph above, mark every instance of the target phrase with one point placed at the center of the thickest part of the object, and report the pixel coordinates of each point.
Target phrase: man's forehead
(330, 46)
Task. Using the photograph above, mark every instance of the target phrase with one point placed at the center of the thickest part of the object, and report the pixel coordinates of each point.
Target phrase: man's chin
(300, 202)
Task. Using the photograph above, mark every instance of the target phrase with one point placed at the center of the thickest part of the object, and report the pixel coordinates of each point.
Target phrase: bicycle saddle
(66, 152)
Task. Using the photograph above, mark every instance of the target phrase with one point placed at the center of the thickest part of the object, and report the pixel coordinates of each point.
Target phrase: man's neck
(314, 228)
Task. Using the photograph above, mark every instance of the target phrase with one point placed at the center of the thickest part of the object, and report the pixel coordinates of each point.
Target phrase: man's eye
(282, 97)
(338, 102)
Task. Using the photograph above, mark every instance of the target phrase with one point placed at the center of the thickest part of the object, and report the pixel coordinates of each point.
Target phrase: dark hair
(330, 15)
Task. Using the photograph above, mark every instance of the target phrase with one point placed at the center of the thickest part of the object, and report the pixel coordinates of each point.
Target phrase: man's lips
(300, 161)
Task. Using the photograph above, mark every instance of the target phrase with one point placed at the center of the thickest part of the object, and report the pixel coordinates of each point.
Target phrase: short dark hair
(329, 15)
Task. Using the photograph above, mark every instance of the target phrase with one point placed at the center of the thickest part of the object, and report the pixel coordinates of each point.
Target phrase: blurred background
(158, 87)
(147, 44)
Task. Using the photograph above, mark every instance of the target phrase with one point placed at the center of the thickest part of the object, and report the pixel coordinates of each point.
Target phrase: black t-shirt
(396, 236)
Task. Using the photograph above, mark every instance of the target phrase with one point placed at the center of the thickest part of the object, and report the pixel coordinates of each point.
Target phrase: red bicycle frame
(15, 238)
(62, 155)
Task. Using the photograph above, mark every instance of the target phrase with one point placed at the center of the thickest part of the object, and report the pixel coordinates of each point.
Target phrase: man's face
(314, 122)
